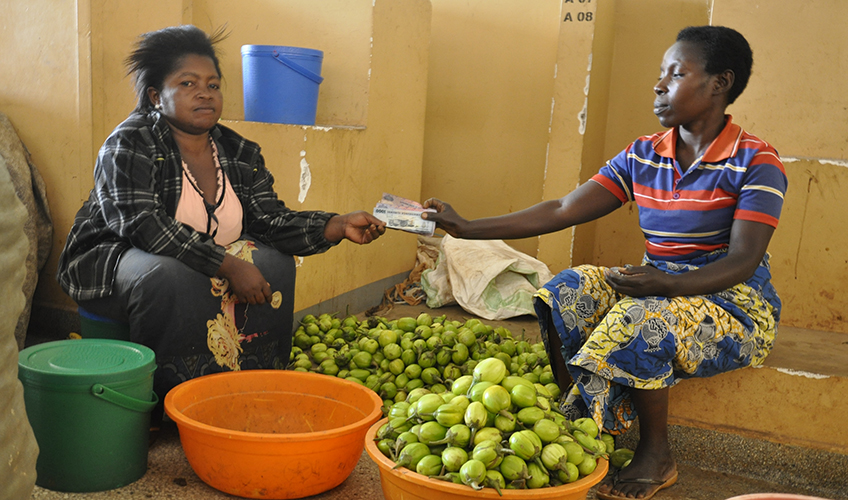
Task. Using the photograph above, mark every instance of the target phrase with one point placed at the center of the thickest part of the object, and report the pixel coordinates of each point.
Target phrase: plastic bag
(487, 278)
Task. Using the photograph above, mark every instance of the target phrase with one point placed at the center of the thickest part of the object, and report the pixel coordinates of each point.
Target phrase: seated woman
(709, 197)
(183, 236)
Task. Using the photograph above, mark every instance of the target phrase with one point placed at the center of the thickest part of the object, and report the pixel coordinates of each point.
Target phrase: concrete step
(799, 397)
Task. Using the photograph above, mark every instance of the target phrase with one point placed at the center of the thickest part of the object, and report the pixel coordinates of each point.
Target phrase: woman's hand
(246, 281)
(748, 243)
(358, 227)
(640, 281)
(445, 217)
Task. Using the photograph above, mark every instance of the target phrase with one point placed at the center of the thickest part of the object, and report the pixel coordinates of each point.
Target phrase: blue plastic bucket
(281, 83)
(93, 326)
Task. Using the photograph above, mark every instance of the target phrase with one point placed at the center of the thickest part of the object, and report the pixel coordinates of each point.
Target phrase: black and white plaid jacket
(137, 185)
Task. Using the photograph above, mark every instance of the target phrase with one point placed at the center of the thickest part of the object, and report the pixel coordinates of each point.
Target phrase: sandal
(658, 484)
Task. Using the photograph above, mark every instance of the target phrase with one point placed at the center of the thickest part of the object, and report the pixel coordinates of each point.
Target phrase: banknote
(405, 220)
(393, 201)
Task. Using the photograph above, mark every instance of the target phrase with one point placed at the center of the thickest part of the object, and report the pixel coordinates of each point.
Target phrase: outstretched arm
(588, 202)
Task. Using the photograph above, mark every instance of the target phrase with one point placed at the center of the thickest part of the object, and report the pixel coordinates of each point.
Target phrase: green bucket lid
(82, 362)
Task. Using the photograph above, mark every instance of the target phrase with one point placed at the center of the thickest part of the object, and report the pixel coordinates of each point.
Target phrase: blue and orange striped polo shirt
(687, 214)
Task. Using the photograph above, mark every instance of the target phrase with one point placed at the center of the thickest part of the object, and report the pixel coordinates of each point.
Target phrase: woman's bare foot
(652, 467)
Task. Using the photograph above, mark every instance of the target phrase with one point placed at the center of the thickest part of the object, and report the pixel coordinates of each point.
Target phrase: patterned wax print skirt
(611, 342)
(193, 323)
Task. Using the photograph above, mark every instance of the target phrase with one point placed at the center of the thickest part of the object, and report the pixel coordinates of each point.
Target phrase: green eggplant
(453, 458)
(430, 465)
(472, 473)
(411, 454)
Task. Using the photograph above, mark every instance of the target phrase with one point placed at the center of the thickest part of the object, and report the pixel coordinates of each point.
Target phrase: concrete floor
(712, 466)
(170, 476)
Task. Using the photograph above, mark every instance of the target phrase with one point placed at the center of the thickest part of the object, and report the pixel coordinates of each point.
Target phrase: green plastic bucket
(89, 403)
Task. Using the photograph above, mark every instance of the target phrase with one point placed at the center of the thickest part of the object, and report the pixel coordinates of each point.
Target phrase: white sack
(487, 278)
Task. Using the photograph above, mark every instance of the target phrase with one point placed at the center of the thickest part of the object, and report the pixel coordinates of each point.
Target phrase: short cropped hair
(157, 54)
(722, 48)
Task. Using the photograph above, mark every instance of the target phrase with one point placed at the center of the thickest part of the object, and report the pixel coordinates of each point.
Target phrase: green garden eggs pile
(465, 402)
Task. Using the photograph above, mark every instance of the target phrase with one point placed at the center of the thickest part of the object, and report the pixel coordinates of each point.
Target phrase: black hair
(722, 49)
(157, 54)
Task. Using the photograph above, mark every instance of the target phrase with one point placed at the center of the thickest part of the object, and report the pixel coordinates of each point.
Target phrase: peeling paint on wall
(305, 177)
(581, 116)
(822, 161)
(551, 120)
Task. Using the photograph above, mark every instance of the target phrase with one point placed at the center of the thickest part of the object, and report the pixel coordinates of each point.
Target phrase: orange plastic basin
(404, 484)
(271, 433)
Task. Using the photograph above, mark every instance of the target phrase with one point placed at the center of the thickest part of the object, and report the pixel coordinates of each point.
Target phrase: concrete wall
(491, 83)
(796, 100)
(46, 95)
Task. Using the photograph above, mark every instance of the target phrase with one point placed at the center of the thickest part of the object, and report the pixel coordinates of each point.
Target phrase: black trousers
(193, 328)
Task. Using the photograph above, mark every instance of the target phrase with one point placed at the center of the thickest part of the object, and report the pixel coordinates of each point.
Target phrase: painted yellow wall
(65, 90)
(569, 119)
(45, 98)
(491, 83)
(796, 100)
(352, 167)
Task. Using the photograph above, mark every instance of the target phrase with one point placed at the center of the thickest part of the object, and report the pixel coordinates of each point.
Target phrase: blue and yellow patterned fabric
(611, 342)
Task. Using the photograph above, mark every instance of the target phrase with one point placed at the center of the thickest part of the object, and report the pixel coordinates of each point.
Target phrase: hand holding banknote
(404, 214)
(444, 216)
(359, 227)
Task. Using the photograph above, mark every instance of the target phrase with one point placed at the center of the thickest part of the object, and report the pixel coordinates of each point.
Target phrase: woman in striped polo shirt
(701, 302)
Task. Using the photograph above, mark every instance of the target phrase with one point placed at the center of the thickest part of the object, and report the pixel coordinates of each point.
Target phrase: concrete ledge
(355, 301)
(812, 351)
(800, 396)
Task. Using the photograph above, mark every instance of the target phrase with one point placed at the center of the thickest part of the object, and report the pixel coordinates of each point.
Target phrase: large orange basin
(272, 434)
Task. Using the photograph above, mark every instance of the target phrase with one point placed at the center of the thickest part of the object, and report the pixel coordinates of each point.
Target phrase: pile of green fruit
(394, 357)
(464, 402)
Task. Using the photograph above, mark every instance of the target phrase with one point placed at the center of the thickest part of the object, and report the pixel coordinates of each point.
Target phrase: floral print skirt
(612, 342)
(193, 323)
